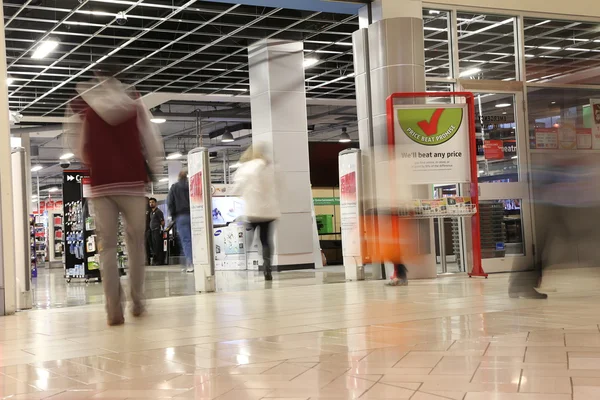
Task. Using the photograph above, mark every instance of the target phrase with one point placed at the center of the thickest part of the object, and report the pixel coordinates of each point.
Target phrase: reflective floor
(450, 338)
(51, 291)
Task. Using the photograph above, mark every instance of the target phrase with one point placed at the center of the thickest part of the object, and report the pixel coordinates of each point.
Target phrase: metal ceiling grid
(178, 46)
(555, 48)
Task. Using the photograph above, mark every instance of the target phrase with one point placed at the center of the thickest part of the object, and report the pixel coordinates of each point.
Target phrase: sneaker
(190, 270)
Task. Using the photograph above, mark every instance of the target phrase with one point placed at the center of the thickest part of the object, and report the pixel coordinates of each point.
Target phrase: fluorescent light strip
(469, 72)
(44, 48)
(487, 28)
(341, 78)
(549, 48)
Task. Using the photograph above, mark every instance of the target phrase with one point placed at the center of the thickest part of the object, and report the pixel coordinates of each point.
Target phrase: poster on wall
(546, 138)
(567, 136)
(432, 143)
(595, 103)
(350, 188)
(493, 149)
(584, 139)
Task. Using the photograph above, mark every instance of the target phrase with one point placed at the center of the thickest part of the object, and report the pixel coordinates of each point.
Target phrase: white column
(279, 121)
(389, 55)
(7, 240)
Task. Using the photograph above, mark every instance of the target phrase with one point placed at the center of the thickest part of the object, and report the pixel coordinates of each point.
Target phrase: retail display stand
(434, 149)
(81, 256)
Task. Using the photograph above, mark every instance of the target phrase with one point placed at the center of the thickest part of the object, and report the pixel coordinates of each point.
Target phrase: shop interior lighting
(158, 120)
(549, 48)
(502, 105)
(469, 72)
(227, 137)
(174, 156)
(234, 166)
(53, 189)
(164, 180)
(434, 12)
(10, 81)
(310, 61)
(44, 48)
(66, 156)
(344, 137)
(36, 168)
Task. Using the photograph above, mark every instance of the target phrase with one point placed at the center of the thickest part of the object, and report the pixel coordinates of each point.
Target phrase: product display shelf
(32, 246)
(40, 240)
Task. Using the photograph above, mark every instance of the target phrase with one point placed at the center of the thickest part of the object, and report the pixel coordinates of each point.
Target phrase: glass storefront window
(561, 118)
(501, 228)
(486, 45)
(436, 27)
(564, 52)
(497, 145)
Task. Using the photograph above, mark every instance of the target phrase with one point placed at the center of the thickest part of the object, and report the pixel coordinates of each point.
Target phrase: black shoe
(268, 274)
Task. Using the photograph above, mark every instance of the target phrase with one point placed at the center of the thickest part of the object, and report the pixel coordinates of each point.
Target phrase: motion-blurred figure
(157, 224)
(566, 192)
(110, 131)
(255, 181)
(178, 202)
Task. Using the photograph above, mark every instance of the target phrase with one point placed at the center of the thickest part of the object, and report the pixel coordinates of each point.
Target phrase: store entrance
(505, 206)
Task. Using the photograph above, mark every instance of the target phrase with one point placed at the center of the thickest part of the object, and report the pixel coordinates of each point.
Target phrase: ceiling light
(549, 48)
(529, 55)
(504, 113)
(469, 72)
(576, 49)
(344, 137)
(434, 12)
(234, 166)
(508, 79)
(66, 156)
(10, 81)
(53, 189)
(227, 137)
(174, 156)
(514, 157)
(36, 168)
(309, 62)
(553, 102)
(164, 180)
(502, 105)
(158, 120)
(44, 48)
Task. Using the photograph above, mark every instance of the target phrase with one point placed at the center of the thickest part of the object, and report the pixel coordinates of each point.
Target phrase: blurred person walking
(157, 224)
(255, 181)
(109, 130)
(178, 202)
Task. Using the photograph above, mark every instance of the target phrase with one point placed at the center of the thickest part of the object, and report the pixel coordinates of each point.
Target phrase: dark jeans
(265, 241)
(157, 247)
(184, 230)
(148, 243)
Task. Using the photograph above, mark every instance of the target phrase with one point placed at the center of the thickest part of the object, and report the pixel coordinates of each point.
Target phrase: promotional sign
(595, 103)
(493, 149)
(546, 138)
(201, 223)
(567, 136)
(432, 144)
(350, 188)
(584, 139)
(326, 201)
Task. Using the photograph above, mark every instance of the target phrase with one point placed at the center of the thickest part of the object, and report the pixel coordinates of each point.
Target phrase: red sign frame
(474, 186)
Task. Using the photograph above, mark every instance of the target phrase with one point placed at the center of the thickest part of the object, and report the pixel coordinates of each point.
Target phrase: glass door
(505, 206)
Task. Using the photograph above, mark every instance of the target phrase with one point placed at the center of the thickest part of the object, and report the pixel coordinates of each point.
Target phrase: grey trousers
(133, 209)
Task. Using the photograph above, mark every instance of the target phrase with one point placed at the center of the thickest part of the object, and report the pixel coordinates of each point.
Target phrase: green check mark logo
(430, 126)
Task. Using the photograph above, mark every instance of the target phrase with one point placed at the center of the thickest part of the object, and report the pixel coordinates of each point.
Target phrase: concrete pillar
(8, 297)
(279, 122)
(389, 57)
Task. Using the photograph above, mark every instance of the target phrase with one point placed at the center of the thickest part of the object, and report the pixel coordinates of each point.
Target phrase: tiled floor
(452, 338)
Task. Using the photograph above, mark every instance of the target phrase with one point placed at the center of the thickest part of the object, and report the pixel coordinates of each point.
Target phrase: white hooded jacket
(255, 182)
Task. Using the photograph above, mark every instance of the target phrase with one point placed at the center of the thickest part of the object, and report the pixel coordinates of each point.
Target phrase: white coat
(255, 182)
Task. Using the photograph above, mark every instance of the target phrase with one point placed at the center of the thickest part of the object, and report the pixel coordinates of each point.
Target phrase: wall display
(493, 149)
(546, 138)
(226, 210)
(81, 258)
(567, 136)
(584, 139)
(432, 144)
(595, 104)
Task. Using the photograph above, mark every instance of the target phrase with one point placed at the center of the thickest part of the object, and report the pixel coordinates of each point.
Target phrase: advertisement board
(432, 144)
(350, 189)
(595, 104)
(202, 232)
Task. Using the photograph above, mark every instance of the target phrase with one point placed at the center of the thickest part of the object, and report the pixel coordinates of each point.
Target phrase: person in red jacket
(111, 133)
